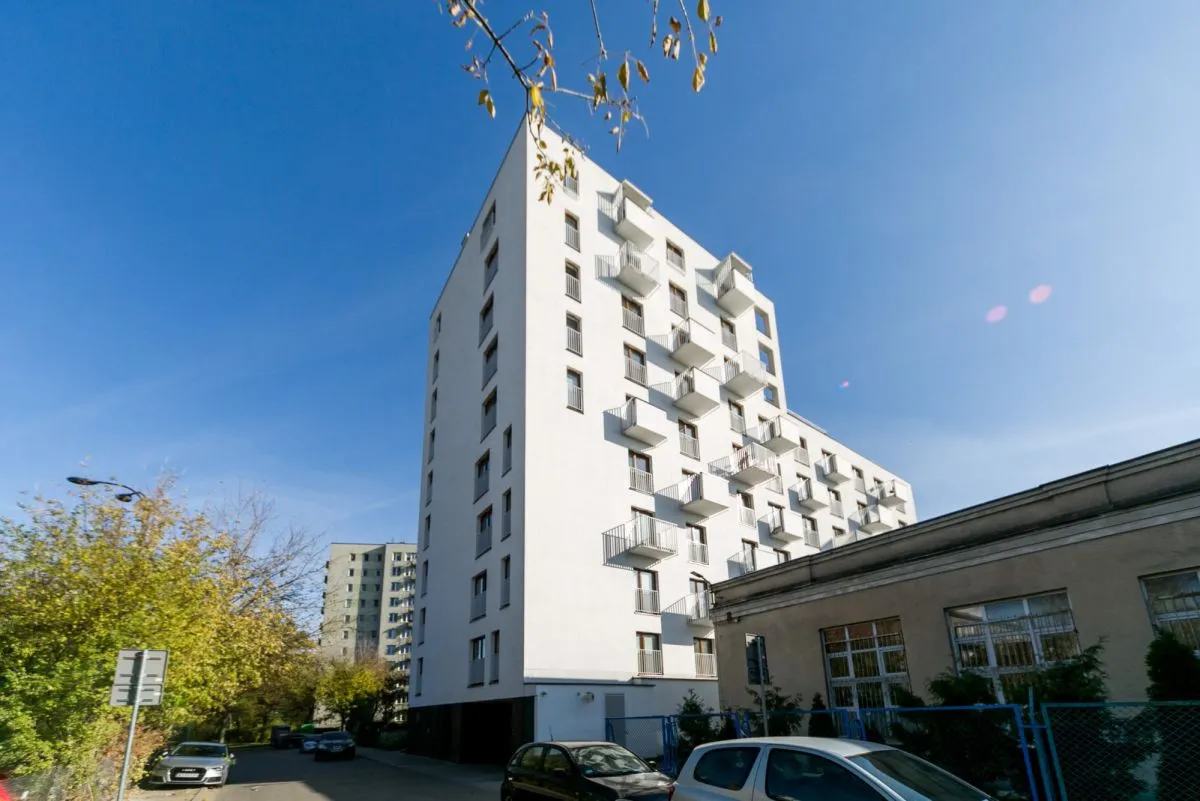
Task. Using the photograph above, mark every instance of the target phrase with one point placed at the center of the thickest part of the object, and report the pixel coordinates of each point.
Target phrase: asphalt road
(264, 774)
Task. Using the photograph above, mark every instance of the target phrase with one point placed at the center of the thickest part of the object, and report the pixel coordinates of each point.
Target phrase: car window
(201, 750)
(609, 760)
(801, 776)
(915, 779)
(335, 735)
(727, 768)
(531, 758)
(556, 759)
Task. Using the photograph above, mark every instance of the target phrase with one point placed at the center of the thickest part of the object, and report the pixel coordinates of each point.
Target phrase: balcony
(574, 290)
(636, 371)
(698, 608)
(706, 664)
(634, 222)
(813, 497)
(775, 484)
(633, 320)
(475, 672)
(646, 602)
(575, 341)
(729, 339)
(746, 515)
(742, 375)
(575, 397)
(649, 663)
(703, 495)
(734, 285)
(835, 509)
(634, 268)
(832, 470)
(750, 465)
(698, 552)
(801, 456)
(689, 445)
(646, 537)
(784, 525)
(892, 495)
(641, 480)
(873, 520)
(779, 435)
(478, 605)
(743, 563)
(695, 392)
(692, 343)
(643, 422)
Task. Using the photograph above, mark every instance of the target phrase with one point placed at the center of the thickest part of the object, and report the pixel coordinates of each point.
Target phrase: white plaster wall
(561, 711)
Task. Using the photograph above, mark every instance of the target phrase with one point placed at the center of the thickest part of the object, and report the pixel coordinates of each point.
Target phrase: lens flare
(845, 385)
(1040, 293)
(996, 314)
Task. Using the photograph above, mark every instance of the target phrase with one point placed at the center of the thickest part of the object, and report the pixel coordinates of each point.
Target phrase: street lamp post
(125, 497)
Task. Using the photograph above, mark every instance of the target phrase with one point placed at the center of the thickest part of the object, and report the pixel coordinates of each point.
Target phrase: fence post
(668, 739)
(609, 734)
(1058, 775)
(1023, 744)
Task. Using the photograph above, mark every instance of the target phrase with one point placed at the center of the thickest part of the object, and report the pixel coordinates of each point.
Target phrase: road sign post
(756, 668)
(138, 683)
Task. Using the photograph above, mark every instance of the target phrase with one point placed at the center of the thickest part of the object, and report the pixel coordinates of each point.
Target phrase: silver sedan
(204, 764)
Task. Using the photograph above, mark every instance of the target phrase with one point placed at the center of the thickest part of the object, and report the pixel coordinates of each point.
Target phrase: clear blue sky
(222, 226)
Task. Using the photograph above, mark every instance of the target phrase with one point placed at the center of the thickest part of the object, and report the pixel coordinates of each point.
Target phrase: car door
(721, 773)
(558, 778)
(797, 774)
(525, 772)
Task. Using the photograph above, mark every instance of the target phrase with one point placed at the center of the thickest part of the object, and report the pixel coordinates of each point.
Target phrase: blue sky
(222, 226)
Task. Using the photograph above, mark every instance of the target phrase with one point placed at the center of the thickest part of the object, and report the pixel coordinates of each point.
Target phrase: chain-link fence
(1125, 751)
(644, 736)
(59, 784)
(799, 723)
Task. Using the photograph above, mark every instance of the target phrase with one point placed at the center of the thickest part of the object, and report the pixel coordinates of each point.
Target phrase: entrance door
(614, 713)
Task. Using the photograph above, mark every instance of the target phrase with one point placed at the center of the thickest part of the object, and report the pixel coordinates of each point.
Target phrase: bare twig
(599, 36)
(687, 21)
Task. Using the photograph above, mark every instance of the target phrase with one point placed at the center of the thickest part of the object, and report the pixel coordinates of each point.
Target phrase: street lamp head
(124, 497)
(83, 482)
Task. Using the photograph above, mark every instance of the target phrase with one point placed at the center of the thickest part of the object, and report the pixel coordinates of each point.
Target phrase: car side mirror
(652, 763)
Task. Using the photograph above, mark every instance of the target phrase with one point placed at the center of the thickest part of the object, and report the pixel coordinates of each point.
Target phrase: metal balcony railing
(646, 601)
(801, 456)
(737, 422)
(729, 339)
(629, 257)
(706, 664)
(689, 445)
(575, 341)
(575, 397)
(751, 464)
(675, 259)
(479, 605)
(572, 236)
(698, 552)
(724, 279)
(835, 509)
(743, 364)
(679, 305)
(641, 480)
(633, 320)
(571, 185)
(635, 371)
(475, 672)
(650, 663)
(698, 606)
(811, 538)
(489, 422)
(746, 516)
(646, 536)
(775, 484)
(743, 562)
(573, 287)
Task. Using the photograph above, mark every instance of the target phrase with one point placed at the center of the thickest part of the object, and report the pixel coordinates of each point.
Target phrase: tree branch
(599, 36)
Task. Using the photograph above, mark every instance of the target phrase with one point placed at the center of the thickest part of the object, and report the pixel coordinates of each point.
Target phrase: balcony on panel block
(643, 422)
(832, 469)
(702, 495)
(695, 392)
(733, 285)
(784, 525)
(811, 495)
(742, 375)
(696, 607)
(634, 223)
(691, 343)
(891, 494)
(778, 435)
(873, 520)
(634, 268)
(645, 536)
(750, 465)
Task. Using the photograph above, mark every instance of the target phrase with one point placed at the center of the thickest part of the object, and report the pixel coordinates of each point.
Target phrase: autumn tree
(525, 50)
(83, 578)
(346, 685)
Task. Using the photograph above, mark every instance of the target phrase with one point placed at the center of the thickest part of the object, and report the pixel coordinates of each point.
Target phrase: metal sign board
(756, 659)
(122, 695)
(153, 672)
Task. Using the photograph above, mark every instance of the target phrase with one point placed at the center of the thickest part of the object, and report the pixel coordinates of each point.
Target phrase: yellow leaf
(667, 45)
(484, 94)
(643, 73)
(491, 107)
(702, 57)
(615, 130)
(712, 41)
(675, 25)
(702, 10)
(623, 75)
(626, 115)
(675, 49)
(535, 97)
(698, 79)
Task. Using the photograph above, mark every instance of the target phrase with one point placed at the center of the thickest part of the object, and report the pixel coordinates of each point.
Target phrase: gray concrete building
(368, 602)
(1003, 588)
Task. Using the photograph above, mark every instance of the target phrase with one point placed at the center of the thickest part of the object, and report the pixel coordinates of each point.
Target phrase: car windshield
(916, 780)
(335, 735)
(608, 760)
(200, 750)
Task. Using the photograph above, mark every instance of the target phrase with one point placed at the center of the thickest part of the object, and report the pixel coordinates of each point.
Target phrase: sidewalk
(485, 778)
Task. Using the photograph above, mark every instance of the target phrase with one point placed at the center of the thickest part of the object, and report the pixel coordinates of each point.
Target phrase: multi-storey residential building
(368, 602)
(606, 432)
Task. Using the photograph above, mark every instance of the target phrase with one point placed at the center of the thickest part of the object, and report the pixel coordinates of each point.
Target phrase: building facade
(606, 434)
(368, 602)
(1004, 589)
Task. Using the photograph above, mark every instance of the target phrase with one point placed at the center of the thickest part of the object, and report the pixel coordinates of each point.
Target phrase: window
(437, 326)
(835, 503)
(345, 634)
(838, 532)
(574, 334)
(424, 577)
(478, 595)
(645, 592)
(420, 628)
(766, 358)
(349, 588)
(726, 768)
(478, 654)
(573, 286)
(428, 487)
(641, 476)
(483, 469)
(575, 390)
(675, 256)
(689, 440)
(556, 760)
(507, 449)
(697, 544)
(350, 570)
(505, 581)
(506, 508)
(483, 532)
(771, 395)
(1174, 602)
(353, 557)
(393, 617)
(800, 774)
(781, 555)
(491, 265)
(349, 603)
(427, 531)
(649, 653)
(420, 673)
(571, 184)
(572, 230)
(397, 556)
(679, 301)
(1008, 641)
(433, 406)
(395, 586)
(489, 221)
(393, 601)
(863, 661)
(762, 322)
(860, 481)
(746, 509)
(487, 318)
(432, 442)
(491, 359)
(737, 418)
(635, 365)
(437, 357)
(489, 413)
(632, 316)
(728, 334)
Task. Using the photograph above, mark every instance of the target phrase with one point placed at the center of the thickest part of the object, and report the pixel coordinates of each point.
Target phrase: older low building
(1003, 588)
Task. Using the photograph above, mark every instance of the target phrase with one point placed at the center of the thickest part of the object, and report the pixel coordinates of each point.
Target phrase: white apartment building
(368, 602)
(606, 433)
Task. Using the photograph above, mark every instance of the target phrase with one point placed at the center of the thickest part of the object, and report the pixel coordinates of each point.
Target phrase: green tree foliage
(350, 689)
(1174, 672)
(783, 710)
(84, 578)
(820, 722)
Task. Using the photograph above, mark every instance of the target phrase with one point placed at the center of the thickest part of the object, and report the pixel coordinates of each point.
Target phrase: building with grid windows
(1003, 589)
(606, 434)
(368, 602)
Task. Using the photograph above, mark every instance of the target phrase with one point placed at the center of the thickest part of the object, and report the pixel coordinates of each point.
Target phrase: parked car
(308, 745)
(279, 736)
(584, 771)
(334, 745)
(193, 764)
(761, 768)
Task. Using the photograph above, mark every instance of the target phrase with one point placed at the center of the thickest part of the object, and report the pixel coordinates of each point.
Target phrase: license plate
(187, 774)
(335, 748)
